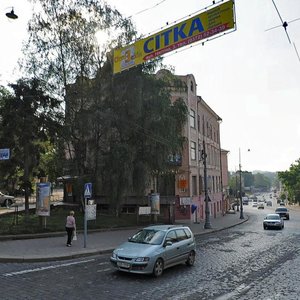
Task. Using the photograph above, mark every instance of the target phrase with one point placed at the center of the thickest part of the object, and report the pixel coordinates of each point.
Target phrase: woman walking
(70, 227)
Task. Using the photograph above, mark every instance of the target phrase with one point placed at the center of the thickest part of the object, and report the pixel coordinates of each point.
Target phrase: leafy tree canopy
(29, 118)
(63, 40)
(133, 127)
(291, 181)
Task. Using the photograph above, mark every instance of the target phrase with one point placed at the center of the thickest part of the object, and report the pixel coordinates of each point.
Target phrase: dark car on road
(283, 212)
(155, 248)
(273, 221)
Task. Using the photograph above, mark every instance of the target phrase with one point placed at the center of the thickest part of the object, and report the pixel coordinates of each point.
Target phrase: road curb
(223, 228)
(54, 258)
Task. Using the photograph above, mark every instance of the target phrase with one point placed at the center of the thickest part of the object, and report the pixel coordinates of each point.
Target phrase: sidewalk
(54, 248)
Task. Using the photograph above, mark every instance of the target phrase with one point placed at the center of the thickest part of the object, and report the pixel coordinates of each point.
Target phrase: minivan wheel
(191, 259)
(158, 268)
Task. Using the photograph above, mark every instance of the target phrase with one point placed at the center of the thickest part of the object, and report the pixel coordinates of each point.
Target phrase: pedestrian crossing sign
(88, 190)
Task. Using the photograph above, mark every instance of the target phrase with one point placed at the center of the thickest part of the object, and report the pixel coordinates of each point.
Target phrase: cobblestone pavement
(244, 262)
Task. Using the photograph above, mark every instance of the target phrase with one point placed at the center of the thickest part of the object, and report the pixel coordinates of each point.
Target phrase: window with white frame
(193, 150)
(192, 118)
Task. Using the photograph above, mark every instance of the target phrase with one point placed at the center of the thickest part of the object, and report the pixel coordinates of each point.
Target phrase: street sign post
(88, 190)
(87, 194)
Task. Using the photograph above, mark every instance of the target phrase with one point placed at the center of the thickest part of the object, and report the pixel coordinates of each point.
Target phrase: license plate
(123, 265)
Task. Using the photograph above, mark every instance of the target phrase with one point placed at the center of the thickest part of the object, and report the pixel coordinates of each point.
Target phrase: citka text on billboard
(202, 26)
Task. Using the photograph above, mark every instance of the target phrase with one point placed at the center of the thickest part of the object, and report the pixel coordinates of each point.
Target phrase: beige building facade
(202, 132)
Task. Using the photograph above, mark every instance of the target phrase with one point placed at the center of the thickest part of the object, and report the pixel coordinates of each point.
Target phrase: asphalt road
(244, 262)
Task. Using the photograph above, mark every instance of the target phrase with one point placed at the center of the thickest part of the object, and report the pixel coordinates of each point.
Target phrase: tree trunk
(26, 179)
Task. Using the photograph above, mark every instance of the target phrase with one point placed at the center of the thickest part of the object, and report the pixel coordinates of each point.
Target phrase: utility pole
(241, 200)
(207, 224)
(236, 193)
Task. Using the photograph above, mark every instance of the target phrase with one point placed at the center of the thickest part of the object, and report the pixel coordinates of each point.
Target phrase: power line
(185, 17)
(146, 9)
(284, 25)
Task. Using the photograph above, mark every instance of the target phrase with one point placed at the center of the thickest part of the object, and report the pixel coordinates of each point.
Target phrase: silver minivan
(155, 248)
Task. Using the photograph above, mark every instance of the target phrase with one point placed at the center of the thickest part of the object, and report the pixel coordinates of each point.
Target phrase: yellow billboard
(202, 26)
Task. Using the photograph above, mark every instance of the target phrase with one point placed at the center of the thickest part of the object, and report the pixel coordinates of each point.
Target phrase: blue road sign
(88, 190)
(4, 154)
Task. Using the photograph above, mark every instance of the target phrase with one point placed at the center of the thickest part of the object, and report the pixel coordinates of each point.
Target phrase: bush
(12, 223)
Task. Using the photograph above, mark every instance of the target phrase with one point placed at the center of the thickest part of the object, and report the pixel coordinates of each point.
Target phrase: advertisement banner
(200, 27)
(43, 192)
(186, 201)
(155, 204)
(91, 212)
(144, 210)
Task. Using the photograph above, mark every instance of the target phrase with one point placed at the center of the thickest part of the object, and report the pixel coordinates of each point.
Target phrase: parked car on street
(260, 205)
(254, 204)
(283, 212)
(269, 203)
(6, 200)
(155, 248)
(273, 221)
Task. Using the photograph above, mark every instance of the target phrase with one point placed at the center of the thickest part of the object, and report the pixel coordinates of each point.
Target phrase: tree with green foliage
(147, 124)
(63, 49)
(63, 43)
(291, 181)
(118, 128)
(248, 179)
(30, 119)
(262, 182)
(234, 181)
(129, 129)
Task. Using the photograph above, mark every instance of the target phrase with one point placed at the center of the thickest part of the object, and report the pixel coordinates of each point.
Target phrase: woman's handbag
(75, 236)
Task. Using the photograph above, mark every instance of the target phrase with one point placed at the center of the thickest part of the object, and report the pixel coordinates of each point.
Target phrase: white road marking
(46, 268)
(104, 270)
(103, 263)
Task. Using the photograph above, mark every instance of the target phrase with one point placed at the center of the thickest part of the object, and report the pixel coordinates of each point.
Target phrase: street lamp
(11, 14)
(207, 224)
(241, 200)
(237, 196)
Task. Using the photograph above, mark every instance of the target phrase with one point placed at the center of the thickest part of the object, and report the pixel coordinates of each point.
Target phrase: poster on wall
(155, 204)
(91, 212)
(43, 192)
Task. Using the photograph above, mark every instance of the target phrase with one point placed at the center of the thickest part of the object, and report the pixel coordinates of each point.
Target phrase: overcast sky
(250, 78)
